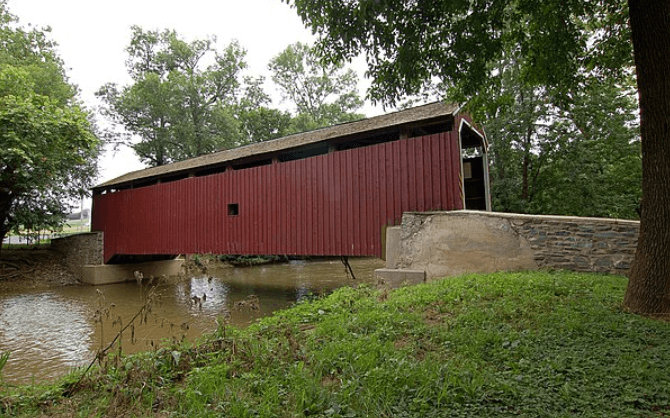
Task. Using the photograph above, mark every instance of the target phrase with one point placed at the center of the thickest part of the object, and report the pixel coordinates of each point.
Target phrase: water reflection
(51, 332)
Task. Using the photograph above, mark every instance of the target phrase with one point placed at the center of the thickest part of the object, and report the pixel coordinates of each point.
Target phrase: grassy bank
(550, 344)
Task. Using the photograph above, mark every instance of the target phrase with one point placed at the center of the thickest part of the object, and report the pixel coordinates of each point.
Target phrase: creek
(50, 332)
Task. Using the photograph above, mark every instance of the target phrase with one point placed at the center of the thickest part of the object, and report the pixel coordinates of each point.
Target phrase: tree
(48, 152)
(553, 156)
(409, 43)
(322, 94)
(178, 106)
(258, 122)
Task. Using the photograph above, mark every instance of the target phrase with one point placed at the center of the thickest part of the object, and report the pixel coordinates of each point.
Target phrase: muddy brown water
(50, 332)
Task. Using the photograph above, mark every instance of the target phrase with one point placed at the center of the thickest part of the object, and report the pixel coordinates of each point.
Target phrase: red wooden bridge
(326, 192)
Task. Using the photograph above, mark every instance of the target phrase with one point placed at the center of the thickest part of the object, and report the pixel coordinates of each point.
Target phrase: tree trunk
(649, 285)
(5, 206)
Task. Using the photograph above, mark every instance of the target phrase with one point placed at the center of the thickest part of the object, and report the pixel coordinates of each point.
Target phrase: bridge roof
(425, 113)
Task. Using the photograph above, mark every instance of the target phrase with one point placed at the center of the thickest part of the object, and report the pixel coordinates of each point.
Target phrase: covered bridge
(331, 191)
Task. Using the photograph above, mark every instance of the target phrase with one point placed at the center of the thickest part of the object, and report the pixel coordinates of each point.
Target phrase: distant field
(69, 228)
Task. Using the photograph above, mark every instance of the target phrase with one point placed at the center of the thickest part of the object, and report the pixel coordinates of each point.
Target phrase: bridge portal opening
(474, 168)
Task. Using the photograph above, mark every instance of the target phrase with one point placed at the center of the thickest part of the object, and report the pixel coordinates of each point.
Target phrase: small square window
(233, 209)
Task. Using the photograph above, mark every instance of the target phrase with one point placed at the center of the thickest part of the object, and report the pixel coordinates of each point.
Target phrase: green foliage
(258, 122)
(323, 94)
(48, 151)
(552, 153)
(549, 344)
(182, 100)
(408, 44)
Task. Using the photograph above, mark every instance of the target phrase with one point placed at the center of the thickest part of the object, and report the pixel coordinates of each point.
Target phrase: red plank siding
(333, 204)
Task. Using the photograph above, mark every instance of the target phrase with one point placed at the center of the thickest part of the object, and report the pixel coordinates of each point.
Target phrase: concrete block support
(118, 273)
(398, 277)
(392, 246)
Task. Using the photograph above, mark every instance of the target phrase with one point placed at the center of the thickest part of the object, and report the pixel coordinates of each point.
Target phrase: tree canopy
(180, 101)
(48, 151)
(322, 94)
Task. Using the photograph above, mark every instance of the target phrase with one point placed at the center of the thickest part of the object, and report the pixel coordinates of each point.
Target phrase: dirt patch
(34, 268)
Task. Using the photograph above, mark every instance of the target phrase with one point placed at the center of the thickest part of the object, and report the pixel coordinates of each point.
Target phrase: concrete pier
(118, 273)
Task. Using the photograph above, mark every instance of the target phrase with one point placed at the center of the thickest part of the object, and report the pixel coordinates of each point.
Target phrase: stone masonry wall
(80, 250)
(450, 243)
(580, 244)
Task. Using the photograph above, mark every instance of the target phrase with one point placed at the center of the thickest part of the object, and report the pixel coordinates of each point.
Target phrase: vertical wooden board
(324, 178)
(380, 194)
(254, 196)
(349, 207)
(265, 208)
(175, 216)
(286, 203)
(290, 199)
(407, 180)
(390, 183)
(355, 187)
(435, 171)
(225, 219)
(374, 218)
(311, 196)
(202, 202)
(156, 212)
(242, 218)
(373, 198)
(283, 218)
(427, 174)
(328, 178)
(298, 211)
(445, 170)
(317, 206)
(382, 184)
(216, 210)
(169, 217)
(398, 177)
(282, 203)
(420, 204)
(237, 198)
(296, 207)
(342, 210)
(178, 215)
(364, 192)
(163, 212)
(270, 209)
(299, 208)
(412, 166)
(262, 191)
(275, 185)
(250, 233)
(336, 181)
(303, 211)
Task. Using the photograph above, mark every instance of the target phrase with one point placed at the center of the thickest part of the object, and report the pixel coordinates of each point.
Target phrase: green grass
(545, 344)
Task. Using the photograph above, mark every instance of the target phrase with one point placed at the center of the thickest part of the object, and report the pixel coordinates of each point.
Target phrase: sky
(92, 36)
